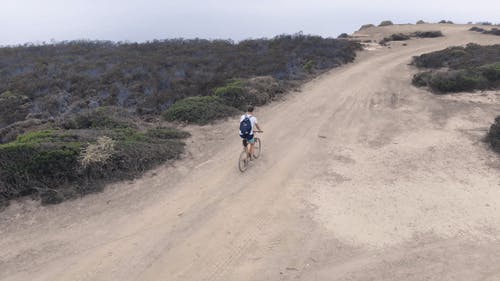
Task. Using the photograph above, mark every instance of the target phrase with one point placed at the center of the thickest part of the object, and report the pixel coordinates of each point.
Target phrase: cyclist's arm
(258, 127)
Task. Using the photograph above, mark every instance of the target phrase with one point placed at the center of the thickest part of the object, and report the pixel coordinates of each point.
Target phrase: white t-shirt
(253, 120)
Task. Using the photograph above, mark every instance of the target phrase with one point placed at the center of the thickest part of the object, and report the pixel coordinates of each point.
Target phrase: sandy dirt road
(362, 177)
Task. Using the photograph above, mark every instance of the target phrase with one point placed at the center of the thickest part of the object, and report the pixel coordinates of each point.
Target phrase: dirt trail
(363, 177)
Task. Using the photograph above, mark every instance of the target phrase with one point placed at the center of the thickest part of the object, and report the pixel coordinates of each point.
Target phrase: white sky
(36, 21)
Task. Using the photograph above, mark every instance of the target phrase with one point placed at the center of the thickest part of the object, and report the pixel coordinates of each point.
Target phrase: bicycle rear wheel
(243, 161)
(257, 146)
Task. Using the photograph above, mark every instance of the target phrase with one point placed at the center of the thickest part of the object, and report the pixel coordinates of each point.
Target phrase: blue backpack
(245, 126)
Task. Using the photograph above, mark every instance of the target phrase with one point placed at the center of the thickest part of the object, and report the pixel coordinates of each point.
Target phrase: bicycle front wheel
(257, 146)
(243, 161)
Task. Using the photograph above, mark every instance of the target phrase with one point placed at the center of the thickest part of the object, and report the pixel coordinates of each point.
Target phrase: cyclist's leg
(246, 147)
(250, 146)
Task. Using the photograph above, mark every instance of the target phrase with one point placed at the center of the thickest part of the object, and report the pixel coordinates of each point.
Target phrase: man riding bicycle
(247, 123)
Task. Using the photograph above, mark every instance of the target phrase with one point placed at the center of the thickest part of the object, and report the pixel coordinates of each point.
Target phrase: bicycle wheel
(256, 148)
(243, 161)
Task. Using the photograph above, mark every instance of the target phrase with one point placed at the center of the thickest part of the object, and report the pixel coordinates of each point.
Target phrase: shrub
(11, 132)
(97, 153)
(63, 79)
(399, 37)
(36, 163)
(166, 133)
(199, 110)
(343, 36)
(457, 81)
(263, 89)
(106, 117)
(390, 38)
(309, 65)
(233, 94)
(422, 79)
(427, 34)
(493, 136)
(469, 68)
(491, 72)
(54, 165)
(365, 26)
(13, 107)
(472, 55)
(477, 29)
(421, 22)
(385, 23)
(493, 31)
(230, 99)
(403, 37)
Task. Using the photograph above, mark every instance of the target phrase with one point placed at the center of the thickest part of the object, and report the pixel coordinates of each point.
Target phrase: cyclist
(247, 123)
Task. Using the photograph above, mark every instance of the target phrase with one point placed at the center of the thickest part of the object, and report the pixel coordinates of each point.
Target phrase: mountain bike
(245, 156)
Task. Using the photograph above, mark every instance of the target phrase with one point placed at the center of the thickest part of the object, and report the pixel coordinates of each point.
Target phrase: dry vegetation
(69, 112)
(460, 69)
(418, 34)
(50, 81)
(54, 165)
(492, 31)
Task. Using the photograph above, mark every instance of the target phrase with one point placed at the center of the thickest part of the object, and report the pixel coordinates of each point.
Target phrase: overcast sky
(36, 21)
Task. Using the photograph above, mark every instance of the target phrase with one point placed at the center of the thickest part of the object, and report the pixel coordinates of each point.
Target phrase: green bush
(56, 81)
(457, 81)
(105, 117)
(403, 37)
(427, 34)
(46, 164)
(240, 94)
(365, 26)
(422, 79)
(476, 29)
(385, 23)
(36, 163)
(234, 94)
(470, 56)
(395, 37)
(491, 72)
(13, 107)
(166, 134)
(309, 65)
(469, 69)
(199, 110)
(493, 31)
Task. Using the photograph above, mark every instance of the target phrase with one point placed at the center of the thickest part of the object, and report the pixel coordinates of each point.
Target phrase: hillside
(57, 101)
(53, 81)
(362, 176)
